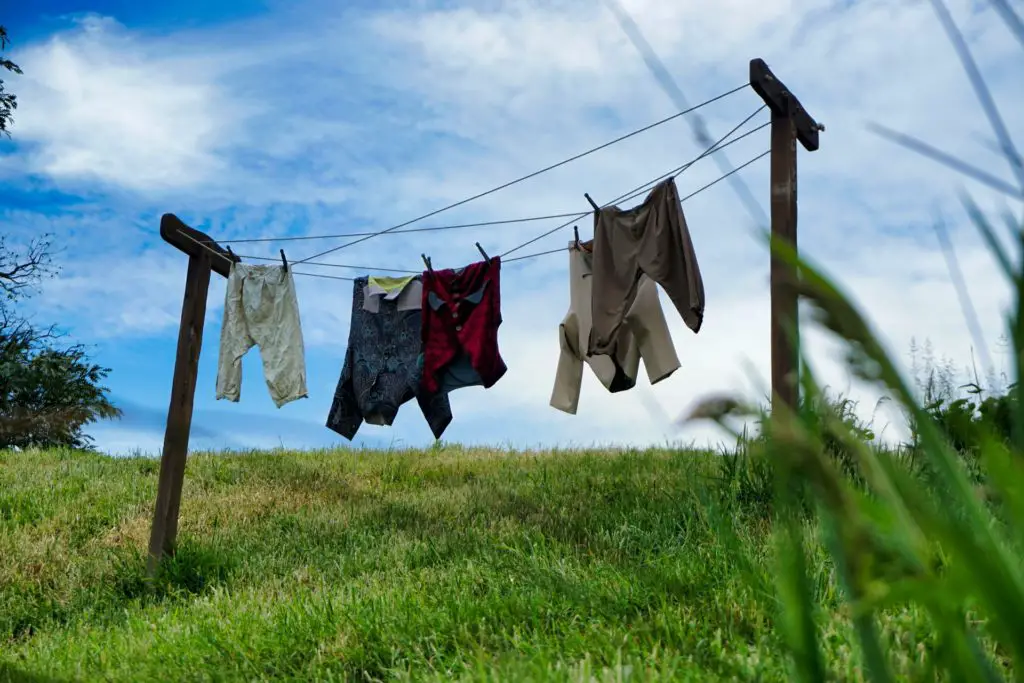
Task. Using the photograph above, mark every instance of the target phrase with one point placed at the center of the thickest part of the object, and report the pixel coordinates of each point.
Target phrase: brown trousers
(650, 239)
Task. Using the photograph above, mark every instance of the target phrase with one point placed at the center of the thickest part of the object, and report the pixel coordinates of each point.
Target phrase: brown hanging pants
(650, 239)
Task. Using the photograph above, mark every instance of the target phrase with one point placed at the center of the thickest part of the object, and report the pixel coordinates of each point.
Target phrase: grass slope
(450, 564)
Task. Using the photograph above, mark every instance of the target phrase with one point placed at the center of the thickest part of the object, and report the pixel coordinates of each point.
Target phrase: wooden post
(202, 261)
(790, 122)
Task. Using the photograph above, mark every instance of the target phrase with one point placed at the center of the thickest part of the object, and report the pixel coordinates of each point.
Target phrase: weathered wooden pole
(790, 122)
(205, 257)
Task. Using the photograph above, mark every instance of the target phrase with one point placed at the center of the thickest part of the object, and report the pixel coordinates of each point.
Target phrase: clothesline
(643, 188)
(717, 145)
(508, 221)
(428, 334)
(505, 260)
(683, 199)
(526, 177)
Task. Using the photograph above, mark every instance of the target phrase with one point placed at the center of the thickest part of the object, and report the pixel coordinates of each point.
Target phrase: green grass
(449, 564)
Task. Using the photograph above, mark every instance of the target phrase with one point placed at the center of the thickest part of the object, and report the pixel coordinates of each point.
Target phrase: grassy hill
(447, 564)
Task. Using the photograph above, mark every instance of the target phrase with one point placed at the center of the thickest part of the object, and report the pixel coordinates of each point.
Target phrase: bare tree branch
(16, 329)
(20, 273)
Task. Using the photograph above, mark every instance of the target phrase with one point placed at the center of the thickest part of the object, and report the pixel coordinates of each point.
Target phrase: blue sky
(260, 119)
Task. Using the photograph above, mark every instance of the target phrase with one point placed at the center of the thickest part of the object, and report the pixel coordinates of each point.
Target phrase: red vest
(461, 314)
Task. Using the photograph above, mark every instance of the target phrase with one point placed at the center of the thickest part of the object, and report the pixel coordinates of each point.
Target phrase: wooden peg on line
(482, 252)
(284, 261)
(426, 262)
(592, 202)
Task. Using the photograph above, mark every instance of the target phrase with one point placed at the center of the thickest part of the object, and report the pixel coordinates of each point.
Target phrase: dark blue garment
(382, 370)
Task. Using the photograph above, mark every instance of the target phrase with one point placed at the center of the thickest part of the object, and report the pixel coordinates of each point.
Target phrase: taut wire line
(629, 195)
(516, 258)
(335, 265)
(681, 200)
(528, 176)
(216, 253)
(575, 215)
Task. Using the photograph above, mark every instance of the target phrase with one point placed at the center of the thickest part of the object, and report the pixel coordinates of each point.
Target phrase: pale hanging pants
(261, 309)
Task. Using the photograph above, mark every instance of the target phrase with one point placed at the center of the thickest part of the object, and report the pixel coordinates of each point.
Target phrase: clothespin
(592, 202)
(576, 236)
(482, 252)
(426, 262)
(231, 255)
(284, 261)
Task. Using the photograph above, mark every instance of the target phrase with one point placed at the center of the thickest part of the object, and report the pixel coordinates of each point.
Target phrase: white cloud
(423, 107)
(104, 105)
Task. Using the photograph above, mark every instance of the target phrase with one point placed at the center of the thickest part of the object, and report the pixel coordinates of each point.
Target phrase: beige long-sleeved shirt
(643, 335)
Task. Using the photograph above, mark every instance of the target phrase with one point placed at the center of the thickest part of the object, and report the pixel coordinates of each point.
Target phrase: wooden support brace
(790, 122)
(783, 103)
(194, 243)
(205, 256)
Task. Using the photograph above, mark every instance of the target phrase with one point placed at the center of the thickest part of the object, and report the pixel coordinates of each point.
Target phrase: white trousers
(261, 309)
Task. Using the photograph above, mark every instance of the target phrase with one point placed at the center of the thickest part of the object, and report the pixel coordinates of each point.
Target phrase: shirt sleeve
(565, 395)
(345, 416)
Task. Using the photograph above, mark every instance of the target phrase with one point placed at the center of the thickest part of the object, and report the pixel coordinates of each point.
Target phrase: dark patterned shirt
(384, 365)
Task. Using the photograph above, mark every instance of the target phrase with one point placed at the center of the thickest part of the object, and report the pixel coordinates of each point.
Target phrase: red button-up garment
(461, 314)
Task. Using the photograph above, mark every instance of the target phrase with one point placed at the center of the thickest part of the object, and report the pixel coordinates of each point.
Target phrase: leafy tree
(8, 102)
(48, 392)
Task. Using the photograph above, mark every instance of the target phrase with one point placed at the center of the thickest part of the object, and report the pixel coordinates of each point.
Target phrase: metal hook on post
(576, 236)
(592, 202)
(233, 256)
(284, 261)
(482, 252)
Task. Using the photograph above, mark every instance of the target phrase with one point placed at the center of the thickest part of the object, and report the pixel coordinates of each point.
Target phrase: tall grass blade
(989, 235)
(965, 527)
(1004, 476)
(847, 532)
(901, 567)
(1017, 337)
(964, 297)
(923, 148)
(1011, 18)
(876, 666)
(988, 104)
(797, 603)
